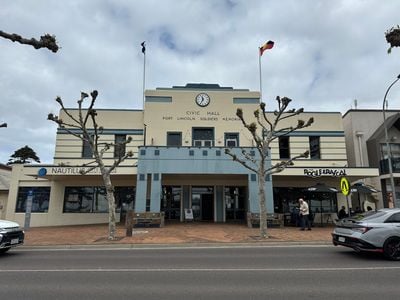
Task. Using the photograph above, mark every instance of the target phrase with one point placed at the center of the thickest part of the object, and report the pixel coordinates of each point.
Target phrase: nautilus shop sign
(68, 171)
(324, 172)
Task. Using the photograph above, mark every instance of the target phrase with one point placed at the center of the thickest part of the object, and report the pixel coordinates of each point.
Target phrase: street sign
(28, 210)
(344, 186)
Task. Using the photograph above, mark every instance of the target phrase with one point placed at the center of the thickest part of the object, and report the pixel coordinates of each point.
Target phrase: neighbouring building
(367, 147)
(179, 163)
(5, 175)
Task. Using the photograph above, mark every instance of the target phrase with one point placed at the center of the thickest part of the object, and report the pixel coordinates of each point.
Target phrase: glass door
(171, 202)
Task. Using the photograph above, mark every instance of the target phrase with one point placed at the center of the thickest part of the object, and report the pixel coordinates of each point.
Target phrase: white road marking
(203, 270)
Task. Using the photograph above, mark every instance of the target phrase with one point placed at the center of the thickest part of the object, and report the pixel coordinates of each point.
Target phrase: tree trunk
(261, 199)
(111, 202)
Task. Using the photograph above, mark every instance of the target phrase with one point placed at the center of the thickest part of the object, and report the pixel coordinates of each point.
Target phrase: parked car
(373, 231)
(11, 235)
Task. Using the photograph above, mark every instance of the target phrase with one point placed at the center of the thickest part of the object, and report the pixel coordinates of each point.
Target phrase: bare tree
(79, 126)
(393, 37)
(46, 41)
(269, 131)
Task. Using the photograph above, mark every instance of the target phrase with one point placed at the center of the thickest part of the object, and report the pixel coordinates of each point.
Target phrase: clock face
(202, 99)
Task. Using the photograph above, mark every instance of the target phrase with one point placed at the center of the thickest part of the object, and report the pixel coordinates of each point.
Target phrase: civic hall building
(179, 163)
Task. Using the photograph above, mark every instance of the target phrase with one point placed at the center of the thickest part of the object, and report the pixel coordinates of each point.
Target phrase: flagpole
(259, 67)
(144, 74)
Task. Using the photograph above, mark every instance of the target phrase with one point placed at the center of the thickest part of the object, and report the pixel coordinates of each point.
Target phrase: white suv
(11, 235)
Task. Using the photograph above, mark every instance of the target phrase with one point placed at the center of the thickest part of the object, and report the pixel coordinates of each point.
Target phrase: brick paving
(180, 233)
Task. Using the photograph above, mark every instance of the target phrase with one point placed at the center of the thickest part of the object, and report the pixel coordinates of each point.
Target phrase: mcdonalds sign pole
(345, 187)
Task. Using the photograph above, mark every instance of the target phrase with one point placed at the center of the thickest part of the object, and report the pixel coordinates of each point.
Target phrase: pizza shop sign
(325, 172)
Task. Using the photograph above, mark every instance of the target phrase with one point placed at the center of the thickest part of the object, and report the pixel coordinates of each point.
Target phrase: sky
(326, 55)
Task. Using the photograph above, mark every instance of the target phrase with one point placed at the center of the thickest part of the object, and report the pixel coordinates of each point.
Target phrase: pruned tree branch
(46, 41)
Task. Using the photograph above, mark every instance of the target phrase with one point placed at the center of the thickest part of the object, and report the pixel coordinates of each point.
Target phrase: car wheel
(4, 250)
(391, 248)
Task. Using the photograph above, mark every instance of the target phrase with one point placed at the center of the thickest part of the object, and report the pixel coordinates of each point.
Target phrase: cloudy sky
(326, 54)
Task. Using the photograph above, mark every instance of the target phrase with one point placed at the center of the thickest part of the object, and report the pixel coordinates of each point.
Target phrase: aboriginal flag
(266, 46)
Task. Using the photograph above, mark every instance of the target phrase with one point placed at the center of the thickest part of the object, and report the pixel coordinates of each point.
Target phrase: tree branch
(46, 41)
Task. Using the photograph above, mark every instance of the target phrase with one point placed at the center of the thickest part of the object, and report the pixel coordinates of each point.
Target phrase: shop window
(120, 145)
(124, 198)
(315, 147)
(284, 150)
(85, 200)
(174, 139)
(40, 199)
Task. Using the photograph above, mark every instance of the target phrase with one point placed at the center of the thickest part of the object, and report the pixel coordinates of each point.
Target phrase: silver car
(371, 231)
(11, 235)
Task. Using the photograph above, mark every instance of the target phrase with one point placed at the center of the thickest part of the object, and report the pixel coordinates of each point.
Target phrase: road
(272, 272)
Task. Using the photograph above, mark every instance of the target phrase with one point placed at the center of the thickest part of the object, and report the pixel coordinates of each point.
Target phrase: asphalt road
(275, 272)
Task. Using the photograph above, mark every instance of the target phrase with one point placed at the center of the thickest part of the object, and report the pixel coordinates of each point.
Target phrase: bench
(273, 220)
(143, 219)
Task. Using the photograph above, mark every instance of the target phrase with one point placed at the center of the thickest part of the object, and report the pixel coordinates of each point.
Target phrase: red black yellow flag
(266, 46)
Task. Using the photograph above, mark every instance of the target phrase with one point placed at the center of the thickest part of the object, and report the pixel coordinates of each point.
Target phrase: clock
(202, 99)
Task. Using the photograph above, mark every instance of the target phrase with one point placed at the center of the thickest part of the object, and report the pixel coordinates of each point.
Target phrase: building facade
(179, 163)
(367, 146)
(5, 175)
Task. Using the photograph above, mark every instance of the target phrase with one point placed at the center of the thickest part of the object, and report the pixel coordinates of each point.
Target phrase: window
(394, 149)
(284, 151)
(174, 139)
(86, 150)
(315, 147)
(124, 198)
(40, 199)
(203, 137)
(120, 146)
(231, 140)
(85, 200)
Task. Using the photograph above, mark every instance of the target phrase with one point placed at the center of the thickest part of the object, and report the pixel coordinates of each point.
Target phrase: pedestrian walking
(304, 212)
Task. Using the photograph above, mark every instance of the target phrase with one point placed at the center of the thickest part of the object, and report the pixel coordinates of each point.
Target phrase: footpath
(171, 234)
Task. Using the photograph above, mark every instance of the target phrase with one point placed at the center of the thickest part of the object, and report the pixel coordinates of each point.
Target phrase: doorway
(171, 202)
(203, 203)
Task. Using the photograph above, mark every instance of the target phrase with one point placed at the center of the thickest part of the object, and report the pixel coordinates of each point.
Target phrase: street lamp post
(389, 152)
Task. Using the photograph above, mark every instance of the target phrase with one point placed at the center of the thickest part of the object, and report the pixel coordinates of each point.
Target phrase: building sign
(197, 115)
(318, 172)
(69, 171)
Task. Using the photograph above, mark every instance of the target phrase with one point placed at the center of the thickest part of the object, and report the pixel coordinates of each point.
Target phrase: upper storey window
(174, 139)
(86, 150)
(232, 139)
(203, 137)
(315, 147)
(120, 146)
(284, 150)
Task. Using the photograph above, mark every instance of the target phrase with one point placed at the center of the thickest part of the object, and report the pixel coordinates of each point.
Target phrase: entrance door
(207, 207)
(171, 202)
(203, 203)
